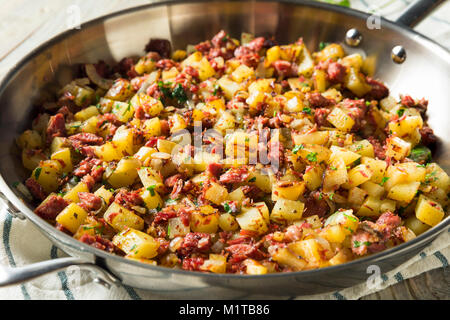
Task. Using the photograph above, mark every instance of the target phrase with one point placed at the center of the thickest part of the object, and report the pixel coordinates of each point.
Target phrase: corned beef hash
(235, 156)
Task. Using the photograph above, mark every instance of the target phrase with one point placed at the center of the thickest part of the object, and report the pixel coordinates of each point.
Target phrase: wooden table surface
(24, 24)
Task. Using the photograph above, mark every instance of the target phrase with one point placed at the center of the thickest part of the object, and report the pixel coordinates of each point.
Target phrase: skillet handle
(417, 11)
(11, 276)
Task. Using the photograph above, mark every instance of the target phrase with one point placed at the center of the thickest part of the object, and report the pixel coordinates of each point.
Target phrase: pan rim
(53, 233)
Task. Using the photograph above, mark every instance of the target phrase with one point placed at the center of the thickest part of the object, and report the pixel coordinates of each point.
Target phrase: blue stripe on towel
(7, 224)
(398, 276)
(441, 258)
(339, 296)
(62, 276)
(133, 294)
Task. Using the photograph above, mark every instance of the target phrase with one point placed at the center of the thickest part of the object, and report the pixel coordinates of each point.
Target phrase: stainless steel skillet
(424, 73)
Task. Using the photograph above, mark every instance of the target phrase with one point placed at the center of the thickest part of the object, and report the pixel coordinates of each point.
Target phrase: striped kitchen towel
(23, 244)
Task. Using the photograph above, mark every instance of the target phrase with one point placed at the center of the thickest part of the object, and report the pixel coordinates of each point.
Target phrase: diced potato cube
(313, 153)
(285, 257)
(388, 103)
(404, 192)
(356, 83)
(177, 228)
(205, 70)
(363, 147)
(225, 122)
(169, 74)
(358, 175)
(205, 220)
(202, 159)
(58, 143)
(136, 244)
(254, 267)
(105, 194)
(216, 263)
(341, 120)
(227, 222)
(273, 54)
(152, 127)
(165, 146)
(335, 175)
(216, 193)
(429, 211)
(179, 55)
(252, 220)
(71, 217)
(150, 178)
(177, 123)
(348, 156)
(151, 198)
(123, 111)
(313, 177)
(86, 113)
(144, 155)
(242, 73)
(370, 207)
(320, 80)
(332, 51)
(261, 180)
(357, 195)
(228, 87)
(345, 219)
(353, 61)
(290, 190)
(306, 65)
(108, 152)
(334, 233)
(378, 167)
(92, 125)
(287, 210)
(125, 173)
(121, 90)
(316, 137)
(437, 177)
(373, 189)
(105, 105)
(308, 249)
(262, 208)
(29, 139)
(64, 158)
(47, 175)
(197, 61)
(397, 148)
(236, 195)
(417, 226)
(72, 194)
(121, 218)
(340, 258)
(405, 126)
(123, 142)
(215, 106)
(32, 158)
(387, 205)
(144, 65)
(151, 106)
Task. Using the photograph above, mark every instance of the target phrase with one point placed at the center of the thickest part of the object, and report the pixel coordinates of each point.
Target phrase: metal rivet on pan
(353, 37)
(398, 54)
